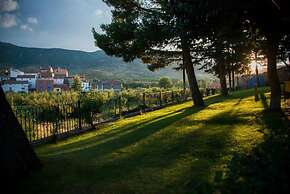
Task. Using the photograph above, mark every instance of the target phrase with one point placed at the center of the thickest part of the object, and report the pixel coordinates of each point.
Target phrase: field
(178, 149)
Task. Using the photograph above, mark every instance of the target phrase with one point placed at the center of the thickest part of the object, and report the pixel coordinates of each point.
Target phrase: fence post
(144, 101)
(115, 108)
(56, 124)
(160, 98)
(79, 114)
(120, 106)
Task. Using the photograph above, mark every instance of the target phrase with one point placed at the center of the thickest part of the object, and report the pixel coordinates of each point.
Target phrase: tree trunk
(223, 80)
(230, 79)
(233, 78)
(272, 49)
(17, 155)
(183, 79)
(187, 62)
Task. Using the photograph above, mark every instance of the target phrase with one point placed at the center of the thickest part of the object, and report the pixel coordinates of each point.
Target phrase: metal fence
(46, 124)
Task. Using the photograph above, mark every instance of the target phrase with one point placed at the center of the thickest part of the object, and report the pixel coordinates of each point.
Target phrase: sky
(52, 23)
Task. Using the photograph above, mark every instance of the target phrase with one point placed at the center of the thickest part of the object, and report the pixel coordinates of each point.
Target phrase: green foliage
(90, 105)
(54, 108)
(42, 99)
(165, 82)
(77, 84)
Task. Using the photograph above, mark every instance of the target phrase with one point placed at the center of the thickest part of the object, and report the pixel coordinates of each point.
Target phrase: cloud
(8, 20)
(99, 12)
(8, 5)
(26, 27)
(32, 20)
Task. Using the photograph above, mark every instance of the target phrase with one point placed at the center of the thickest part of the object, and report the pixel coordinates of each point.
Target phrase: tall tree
(218, 28)
(273, 23)
(271, 17)
(150, 31)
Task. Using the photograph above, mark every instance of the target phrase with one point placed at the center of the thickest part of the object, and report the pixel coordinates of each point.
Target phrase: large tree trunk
(187, 62)
(272, 48)
(223, 79)
(17, 157)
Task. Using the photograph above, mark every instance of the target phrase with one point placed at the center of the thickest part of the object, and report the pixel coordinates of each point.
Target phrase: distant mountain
(94, 65)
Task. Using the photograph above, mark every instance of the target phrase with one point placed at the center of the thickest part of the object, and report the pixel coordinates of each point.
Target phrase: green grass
(177, 149)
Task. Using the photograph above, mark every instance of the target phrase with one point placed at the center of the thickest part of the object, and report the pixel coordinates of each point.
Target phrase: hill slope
(92, 64)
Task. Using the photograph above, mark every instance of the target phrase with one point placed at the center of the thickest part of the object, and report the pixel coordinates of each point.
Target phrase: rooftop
(26, 76)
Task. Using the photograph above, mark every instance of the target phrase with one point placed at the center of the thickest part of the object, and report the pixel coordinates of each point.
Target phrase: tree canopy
(215, 34)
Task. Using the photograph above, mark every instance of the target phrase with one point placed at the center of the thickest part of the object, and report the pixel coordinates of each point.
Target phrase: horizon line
(34, 47)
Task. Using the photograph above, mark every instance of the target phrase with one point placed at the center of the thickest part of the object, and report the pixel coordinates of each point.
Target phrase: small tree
(165, 82)
(77, 84)
(91, 106)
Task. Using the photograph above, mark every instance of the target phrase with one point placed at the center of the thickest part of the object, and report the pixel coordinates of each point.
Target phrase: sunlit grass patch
(173, 150)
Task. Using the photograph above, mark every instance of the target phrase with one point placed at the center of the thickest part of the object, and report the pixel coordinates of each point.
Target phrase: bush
(90, 105)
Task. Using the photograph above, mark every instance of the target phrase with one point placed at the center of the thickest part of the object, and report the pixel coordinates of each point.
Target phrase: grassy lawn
(177, 149)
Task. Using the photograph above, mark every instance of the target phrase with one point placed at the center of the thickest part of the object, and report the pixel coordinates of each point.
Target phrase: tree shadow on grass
(127, 137)
(138, 157)
(77, 161)
(111, 134)
(134, 126)
(266, 168)
(146, 164)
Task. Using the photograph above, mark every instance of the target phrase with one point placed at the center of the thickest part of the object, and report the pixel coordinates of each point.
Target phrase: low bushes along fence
(48, 123)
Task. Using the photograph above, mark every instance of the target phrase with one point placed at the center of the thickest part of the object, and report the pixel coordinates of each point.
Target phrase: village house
(249, 81)
(58, 79)
(115, 85)
(15, 86)
(86, 87)
(30, 78)
(46, 72)
(44, 84)
(60, 87)
(15, 72)
(45, 79)
(60, 72)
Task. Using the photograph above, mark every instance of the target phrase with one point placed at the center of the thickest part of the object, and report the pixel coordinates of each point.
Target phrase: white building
(30, 78)
(15, 72)
(58, 80)
(86, 87)
(15, 86)
(115, 85)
